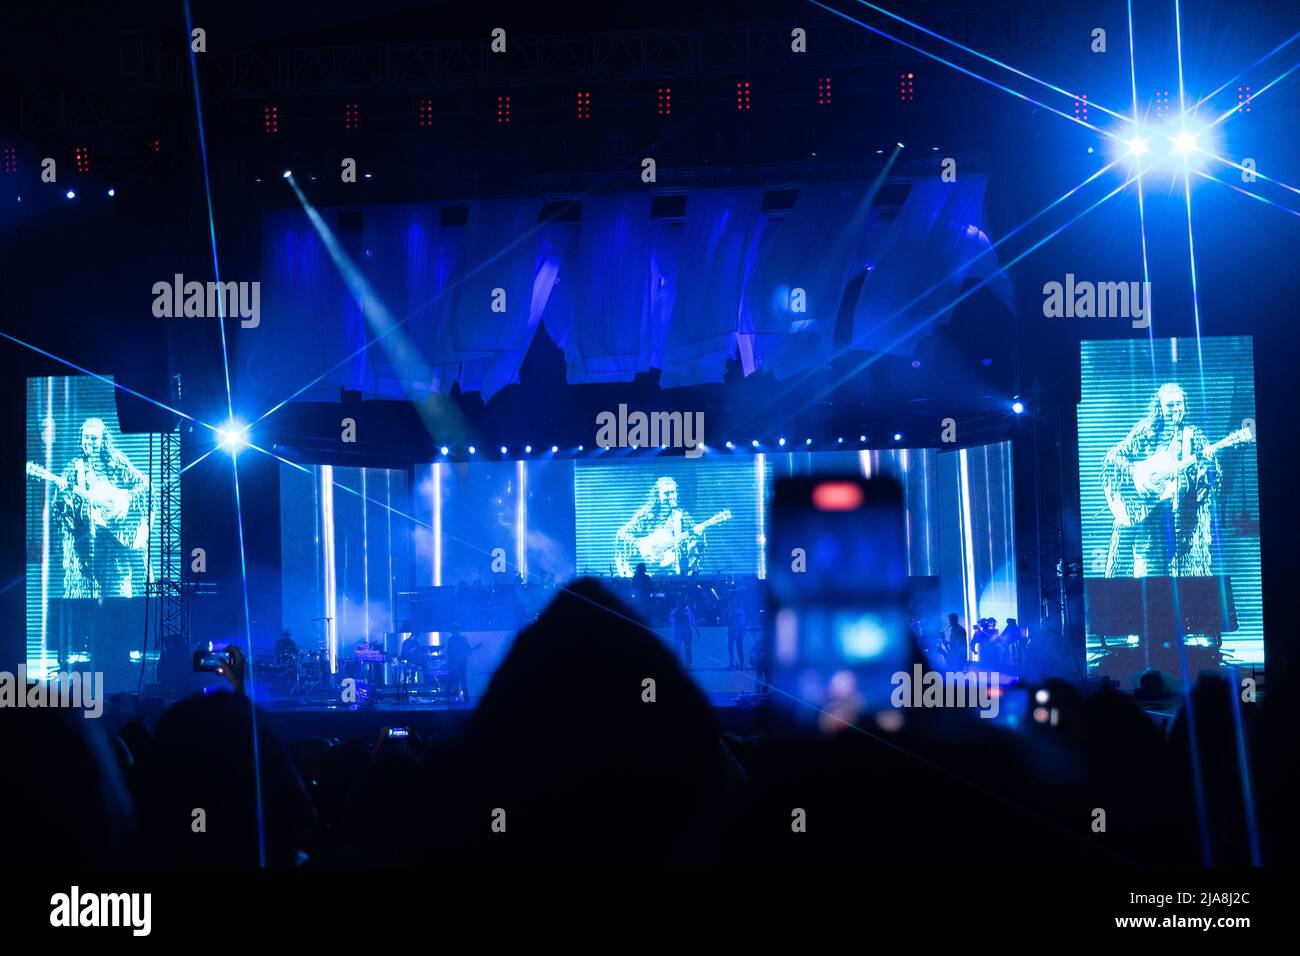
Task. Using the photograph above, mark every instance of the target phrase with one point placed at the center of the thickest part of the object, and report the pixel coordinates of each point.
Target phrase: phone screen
(837, 594)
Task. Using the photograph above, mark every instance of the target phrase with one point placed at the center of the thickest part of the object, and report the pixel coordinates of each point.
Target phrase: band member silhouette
(99, 505)
(661, 534)
(1162, 481)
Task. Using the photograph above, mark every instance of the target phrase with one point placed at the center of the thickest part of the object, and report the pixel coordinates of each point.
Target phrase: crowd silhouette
(638, 772)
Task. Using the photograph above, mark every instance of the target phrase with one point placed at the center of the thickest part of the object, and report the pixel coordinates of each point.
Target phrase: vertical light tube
(907, 514)
(365, 558)
(327, 552)
(967, 545)
(521, 519)
(437, 525)
(760, 473)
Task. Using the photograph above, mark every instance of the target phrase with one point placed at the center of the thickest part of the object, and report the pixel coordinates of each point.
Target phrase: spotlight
(1018, 407)
(582, 447)
(781, 442)
(528, 449)
(898, 436)
(70, 194)
(1184, 144)
(862, 438)
(287, 174)
(503, 449)
(730, 445)
(443, 449)
(554, 449)
(111, 192)
(986, 362)
(1138, 146)
(754, 443)
(839, 441)
(232, 436)
(916, 363)
(807, 441)
(472, 449)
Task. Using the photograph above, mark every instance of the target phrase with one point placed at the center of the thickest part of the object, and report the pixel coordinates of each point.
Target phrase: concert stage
(816, 433)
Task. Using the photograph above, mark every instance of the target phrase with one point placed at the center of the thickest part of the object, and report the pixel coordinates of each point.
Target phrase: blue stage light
(232, 436)
(503, 449)
(781, 442)
(898, 436)
(754, 443)
(288, 173)
(862, 438)
(1184, 143)
(528, 449)
(111, 192)
(839, 441)
(730, 445)
(70, 194)
(807, 441)
(1018, 407)
(443, 449)
(1138, 145)
(582, 447)
(472, 449)
(554, 449)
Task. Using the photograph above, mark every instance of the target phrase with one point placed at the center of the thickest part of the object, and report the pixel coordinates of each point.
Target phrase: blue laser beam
(106, 380)
(1246, 192)
(234, 460)
(1257, 94)
(934, 317)
(989, 59)
(1201, 818)
(1142, 216)
(1240, 73)
(962, 69)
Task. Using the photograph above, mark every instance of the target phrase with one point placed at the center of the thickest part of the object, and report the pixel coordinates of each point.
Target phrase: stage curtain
(697, 314)
(935, 244)
(599, 321)
(500, 254)
(310, 327)
(803, 262)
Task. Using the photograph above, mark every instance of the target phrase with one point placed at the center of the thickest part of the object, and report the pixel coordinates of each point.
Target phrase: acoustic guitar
(110, 508)
(1157, 478)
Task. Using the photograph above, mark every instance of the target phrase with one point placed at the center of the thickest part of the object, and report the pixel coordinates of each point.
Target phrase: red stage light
(503, 109)
(425, 111)
(584, 105)
(1081, 107)
(823, 91)
(81, 156)
(743, 100)
(665, 101)
(906, 87)
(270, 119)
(351, 116)
(9, 159)
(837, 496)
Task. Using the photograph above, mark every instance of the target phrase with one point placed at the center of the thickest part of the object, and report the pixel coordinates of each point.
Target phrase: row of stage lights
(233, 436)
(72, 194)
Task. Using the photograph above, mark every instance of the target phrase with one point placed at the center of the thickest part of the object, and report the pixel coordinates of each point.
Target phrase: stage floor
(295, 718)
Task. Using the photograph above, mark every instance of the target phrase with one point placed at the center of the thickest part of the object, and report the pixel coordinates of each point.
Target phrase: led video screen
(1169, 493)
(92, 531)
(674, 516)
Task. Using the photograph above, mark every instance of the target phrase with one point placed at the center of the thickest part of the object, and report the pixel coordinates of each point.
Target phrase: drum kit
(297, 673)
